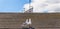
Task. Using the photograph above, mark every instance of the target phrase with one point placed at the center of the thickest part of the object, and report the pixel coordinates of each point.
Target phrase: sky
(12, 5)
(42, 6)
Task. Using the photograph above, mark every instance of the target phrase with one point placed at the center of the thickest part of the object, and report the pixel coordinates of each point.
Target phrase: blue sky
(12, 5)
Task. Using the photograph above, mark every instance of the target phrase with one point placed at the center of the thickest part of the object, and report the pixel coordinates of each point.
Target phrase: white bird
(28, 21)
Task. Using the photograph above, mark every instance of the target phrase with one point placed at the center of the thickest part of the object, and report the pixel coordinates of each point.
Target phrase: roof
(14, 20)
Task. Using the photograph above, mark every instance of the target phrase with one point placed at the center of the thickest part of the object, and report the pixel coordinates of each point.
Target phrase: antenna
(30, 7)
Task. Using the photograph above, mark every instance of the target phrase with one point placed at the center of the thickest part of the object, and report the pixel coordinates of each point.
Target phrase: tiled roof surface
(39, 20)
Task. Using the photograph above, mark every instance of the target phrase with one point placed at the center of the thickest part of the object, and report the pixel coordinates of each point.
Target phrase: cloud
(53, 1)
(44, 5)
(26, 7)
